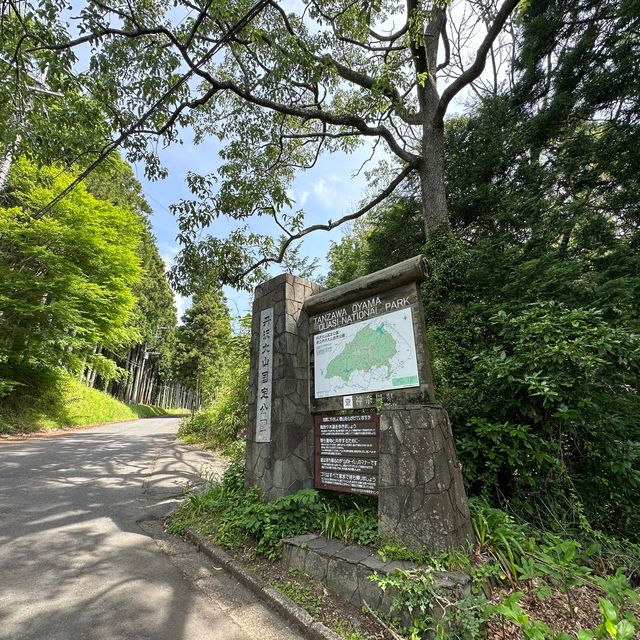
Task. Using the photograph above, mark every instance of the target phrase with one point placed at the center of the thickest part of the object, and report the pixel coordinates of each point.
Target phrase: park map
(376, 354)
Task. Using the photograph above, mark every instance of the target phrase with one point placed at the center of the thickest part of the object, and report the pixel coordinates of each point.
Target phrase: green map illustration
(370, 348)
(374, 355)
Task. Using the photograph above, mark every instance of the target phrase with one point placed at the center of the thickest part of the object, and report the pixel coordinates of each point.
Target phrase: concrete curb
(286, 607)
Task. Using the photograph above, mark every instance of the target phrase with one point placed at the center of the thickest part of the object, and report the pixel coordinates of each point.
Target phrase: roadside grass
(66, 402)
(526, 583)
(301, 594)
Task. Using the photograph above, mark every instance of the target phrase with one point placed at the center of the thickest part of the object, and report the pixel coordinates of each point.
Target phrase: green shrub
(613, 625)
(433, 611)
(221, 424)
(232, 514)
(550, 408)
(356, 523)
(498, 533)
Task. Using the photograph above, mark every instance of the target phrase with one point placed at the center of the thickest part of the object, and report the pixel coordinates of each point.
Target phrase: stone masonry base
(346, 570)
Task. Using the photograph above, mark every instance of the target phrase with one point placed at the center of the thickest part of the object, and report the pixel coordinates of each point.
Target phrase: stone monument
(279, 456)
(341, 398)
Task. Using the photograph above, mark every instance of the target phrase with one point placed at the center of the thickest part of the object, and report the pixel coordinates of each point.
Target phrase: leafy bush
(551, 406)
(232, 514)
(357, 523)
(611, 626)
(431, 610)
(498, 533)
(508, 551)
(530, 561)
(287, 516)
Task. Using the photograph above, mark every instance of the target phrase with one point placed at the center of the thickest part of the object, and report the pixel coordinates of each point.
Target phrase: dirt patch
(553, 610)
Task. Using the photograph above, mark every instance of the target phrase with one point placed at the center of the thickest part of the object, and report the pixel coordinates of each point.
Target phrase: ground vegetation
(60, 402)
(221, 422)
(527, 582)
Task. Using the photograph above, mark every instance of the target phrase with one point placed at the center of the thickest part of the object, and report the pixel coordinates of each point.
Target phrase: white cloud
(298, 198)
(325, 192)
(181, 303)
(167, 253)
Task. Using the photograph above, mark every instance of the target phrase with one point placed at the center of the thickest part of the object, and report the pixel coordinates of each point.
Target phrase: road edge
(286, 607)
(25, 436)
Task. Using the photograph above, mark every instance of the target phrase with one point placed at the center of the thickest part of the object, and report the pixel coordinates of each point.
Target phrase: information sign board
(346, 452)
(367, 350)
(370, 355)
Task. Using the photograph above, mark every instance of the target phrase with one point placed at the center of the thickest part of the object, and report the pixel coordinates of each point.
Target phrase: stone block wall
(346, 570)
(284, 464)
(422, 501)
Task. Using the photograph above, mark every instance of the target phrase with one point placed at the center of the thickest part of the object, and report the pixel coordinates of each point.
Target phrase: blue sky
(328, 191)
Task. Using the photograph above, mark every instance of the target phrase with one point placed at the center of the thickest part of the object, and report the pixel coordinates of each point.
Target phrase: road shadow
(75, 563)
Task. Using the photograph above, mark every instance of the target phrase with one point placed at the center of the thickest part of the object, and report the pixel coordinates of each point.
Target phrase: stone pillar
(279, 456)
(422, 501)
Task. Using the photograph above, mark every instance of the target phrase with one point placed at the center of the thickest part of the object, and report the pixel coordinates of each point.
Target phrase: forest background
(532, 307)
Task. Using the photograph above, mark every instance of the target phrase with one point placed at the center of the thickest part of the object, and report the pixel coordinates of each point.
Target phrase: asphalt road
(77, 556)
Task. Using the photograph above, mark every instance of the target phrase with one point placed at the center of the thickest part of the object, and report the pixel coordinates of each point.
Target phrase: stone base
(283, 466)
(422, 503)
(346, 571)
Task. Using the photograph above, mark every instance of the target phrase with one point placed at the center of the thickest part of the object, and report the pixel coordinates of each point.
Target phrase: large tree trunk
(148, 394)
(432, 180)
(431, 167)
(138, 372)
(126, 390)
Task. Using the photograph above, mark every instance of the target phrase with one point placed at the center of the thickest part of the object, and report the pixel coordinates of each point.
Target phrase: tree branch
(392, 37)
(391, 187)
(474, 71)
(345, 120)
(446, 45)
(155, 106)
(356, 77)
(367, 82)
